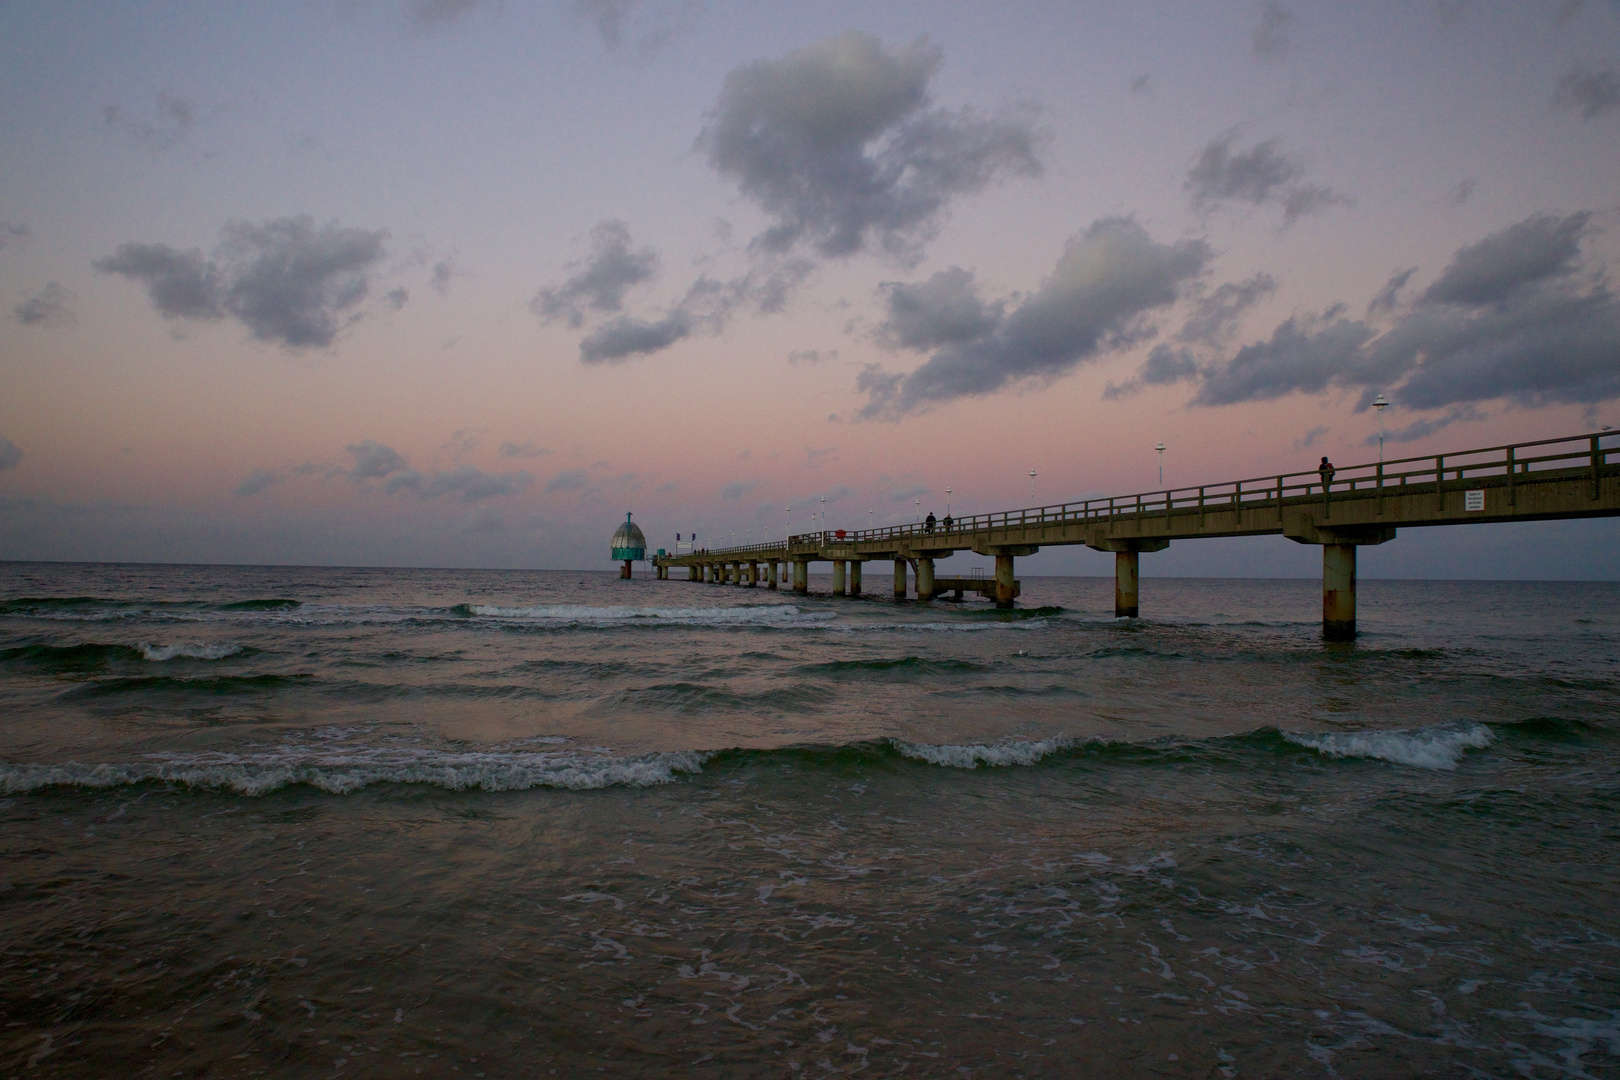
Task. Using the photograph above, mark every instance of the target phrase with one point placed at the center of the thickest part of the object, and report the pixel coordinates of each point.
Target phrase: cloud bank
(837, 143)
(1516, 316)
(11, 454)
(286, 280)
(1097, 298)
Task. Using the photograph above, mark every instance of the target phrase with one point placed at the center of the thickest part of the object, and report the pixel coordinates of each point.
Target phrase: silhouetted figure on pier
(1326, 470)
(928, 522)
(947, 523)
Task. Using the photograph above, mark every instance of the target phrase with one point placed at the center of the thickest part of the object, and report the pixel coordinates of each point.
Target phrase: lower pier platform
(956, 586)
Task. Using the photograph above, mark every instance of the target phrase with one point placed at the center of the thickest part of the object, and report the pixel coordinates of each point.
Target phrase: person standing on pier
(928, 522)
(1327, 470)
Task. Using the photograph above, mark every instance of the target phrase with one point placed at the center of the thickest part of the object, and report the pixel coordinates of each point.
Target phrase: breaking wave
(1439, 747)
(972, 755)
(345, 771)
(193, 651)
(744, 615)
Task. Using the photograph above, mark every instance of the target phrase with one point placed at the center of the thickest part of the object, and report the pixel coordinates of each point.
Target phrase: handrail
(1510, 461)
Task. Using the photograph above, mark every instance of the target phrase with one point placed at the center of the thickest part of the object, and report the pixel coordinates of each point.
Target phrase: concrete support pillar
(899, 579)
(838, 577)
(736, 573)
(1127, 569)
(694, 573)
(855, 577)
(1004, 581)
(770, 575)
(753, 573)
(801, 576)
(925, 579)
(624, 571)
(1339, 592)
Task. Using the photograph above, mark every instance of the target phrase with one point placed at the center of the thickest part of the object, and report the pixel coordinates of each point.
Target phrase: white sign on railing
(1473, 500)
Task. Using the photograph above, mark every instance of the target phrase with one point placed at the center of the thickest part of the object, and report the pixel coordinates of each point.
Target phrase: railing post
(1200, 508)
(1237, 501)
(1279, 499)
(1439, 482)
(1380, 487)
(1511, 465)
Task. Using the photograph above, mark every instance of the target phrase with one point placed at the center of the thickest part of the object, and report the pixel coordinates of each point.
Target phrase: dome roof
(628, 542)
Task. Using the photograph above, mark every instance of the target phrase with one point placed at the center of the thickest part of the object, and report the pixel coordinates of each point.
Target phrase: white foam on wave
(972, 755)
(1438, 747)
(192, 651)
(348, 770)
(749, 615)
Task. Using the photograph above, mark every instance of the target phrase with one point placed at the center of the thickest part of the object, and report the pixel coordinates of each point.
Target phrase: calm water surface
(317, 822)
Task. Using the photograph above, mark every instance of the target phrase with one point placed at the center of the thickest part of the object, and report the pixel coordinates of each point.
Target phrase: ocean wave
(192, 651)
(742, 615)
(972, 755)
(347, 770)
(1438, 747)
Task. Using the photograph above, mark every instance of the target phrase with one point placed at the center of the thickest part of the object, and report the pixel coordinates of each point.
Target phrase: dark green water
(375, 823)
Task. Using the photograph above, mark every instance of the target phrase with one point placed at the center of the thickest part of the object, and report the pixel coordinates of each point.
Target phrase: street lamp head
(1380, 403)
(1160, 448)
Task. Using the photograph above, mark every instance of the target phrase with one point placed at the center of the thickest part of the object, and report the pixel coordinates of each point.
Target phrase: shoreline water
(274, 823)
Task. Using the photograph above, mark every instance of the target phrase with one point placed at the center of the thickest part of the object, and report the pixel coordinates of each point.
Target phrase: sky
(461, 282)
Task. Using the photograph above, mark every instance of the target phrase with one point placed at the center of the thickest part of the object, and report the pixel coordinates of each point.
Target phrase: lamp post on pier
(1380, 403)
(1160, 449)
(1032, 485)
(947, 502)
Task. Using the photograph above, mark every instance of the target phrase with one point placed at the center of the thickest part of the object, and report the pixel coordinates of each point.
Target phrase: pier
(1573, 477)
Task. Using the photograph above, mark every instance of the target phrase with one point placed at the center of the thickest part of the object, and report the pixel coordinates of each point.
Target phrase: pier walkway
(1572, 477)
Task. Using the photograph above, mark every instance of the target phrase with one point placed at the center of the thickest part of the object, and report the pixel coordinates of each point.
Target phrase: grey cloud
(1389, 297)
(1163, 366)
(1463, 192)
(738, 488)
(182, 284)
(13, 234)
(286, 280)
(626, 337)
(11, 454)
(1512, 317)
(465, 483)
(811, 356)
(258, 480)
(1259, 176)
(568, 480)
(910, 493)
(1428, 425)
(1274, 34)
(838, 145)
(53, 306)
(175, 115)
(705, 308)
(525, 449)
(485, 519)
(396, 298)
(946, 309)
(1588, 90)
(601, 280)
(429, 15)
(1095, 300)
(439, 278)
(1540, 247)
(373, 460)
(1302, 354)
(1215, 316)
(648, 28)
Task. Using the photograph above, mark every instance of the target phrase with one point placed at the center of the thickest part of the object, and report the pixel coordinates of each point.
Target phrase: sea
(316, 822)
